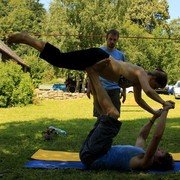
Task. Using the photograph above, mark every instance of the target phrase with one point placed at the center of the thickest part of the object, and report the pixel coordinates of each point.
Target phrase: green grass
(21, 128)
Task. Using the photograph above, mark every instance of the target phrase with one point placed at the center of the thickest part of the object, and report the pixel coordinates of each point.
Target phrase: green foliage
(15, 86)
(94, 18)
(148, 14)
(23, 92)
(175, 28)
(79, 24)
(175, 33)
(150, 53)
(37, 67)
(24, 15)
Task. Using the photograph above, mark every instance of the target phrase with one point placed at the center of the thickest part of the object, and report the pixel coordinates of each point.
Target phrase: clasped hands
(166, 106)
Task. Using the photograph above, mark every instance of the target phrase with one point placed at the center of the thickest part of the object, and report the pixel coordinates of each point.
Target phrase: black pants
(99, 140)
(75, 60)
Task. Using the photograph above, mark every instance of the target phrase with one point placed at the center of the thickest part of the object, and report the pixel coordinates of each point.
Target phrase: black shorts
(75, 60)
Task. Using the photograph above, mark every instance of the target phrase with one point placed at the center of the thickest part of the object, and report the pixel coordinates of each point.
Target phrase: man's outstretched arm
(157, 136)
(144, 132)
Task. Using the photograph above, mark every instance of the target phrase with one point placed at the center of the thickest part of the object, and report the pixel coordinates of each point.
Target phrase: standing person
(112, 88)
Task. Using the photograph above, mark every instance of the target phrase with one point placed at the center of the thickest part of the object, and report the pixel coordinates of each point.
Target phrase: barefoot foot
(17, 38)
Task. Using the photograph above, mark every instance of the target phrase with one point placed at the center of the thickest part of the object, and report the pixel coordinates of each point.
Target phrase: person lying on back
(97, 151)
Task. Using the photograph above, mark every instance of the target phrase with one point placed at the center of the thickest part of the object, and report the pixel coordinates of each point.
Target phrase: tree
(89, 20)
(78, 24)
(95, 18)
(24, 15)
(175, 33)
(149, 14)
(16, 87)
(175, 28)
(150, 53)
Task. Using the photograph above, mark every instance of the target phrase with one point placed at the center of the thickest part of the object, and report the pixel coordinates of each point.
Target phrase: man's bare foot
(17, 38)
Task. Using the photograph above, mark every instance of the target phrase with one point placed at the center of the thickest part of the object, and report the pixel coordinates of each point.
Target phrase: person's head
(112, 37)
(158, 78)
(163, 161)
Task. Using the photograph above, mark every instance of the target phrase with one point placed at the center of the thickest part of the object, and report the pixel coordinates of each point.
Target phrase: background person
(112, 88)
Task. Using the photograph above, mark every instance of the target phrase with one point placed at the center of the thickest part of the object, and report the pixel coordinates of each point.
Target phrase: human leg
(99, 140)
(75, 60)
(114, 94)
(101, 96)
(24, 38)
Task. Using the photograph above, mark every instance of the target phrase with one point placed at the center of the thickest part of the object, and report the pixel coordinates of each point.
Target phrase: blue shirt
(117, 158)
(118, 55)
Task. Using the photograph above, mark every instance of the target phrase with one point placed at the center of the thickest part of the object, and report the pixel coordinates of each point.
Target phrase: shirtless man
(126, 74)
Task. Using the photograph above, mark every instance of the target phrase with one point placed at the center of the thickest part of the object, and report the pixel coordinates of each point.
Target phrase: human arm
(144, 132)
(146, 161)
(123, 95)
(144, 84)
(141, 102)
(88, 93)
(157, 136)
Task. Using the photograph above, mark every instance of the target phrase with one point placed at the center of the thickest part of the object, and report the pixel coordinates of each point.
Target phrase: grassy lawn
(21, 128)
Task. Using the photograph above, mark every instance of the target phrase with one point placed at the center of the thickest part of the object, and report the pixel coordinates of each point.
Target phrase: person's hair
(161, 77)
(164, 163)
(112, 31)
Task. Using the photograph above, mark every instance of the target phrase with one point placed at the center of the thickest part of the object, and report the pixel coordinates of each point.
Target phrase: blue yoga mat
(40, 164)
(176, 169)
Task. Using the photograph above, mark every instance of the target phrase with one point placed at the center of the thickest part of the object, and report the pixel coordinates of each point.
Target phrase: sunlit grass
(79, 108)
(21, 129)
(130, 110)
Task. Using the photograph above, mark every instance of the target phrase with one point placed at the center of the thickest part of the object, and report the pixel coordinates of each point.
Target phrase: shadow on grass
(19, 140)
(22, 139)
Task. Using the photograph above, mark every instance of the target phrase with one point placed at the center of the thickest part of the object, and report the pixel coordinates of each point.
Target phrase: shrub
(15, 86)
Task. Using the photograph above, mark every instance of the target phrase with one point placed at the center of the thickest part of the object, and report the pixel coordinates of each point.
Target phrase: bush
(15, 86)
